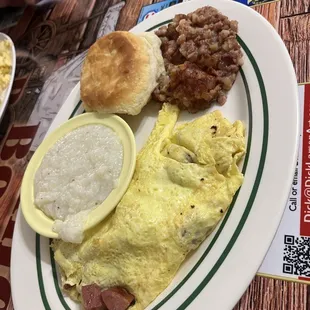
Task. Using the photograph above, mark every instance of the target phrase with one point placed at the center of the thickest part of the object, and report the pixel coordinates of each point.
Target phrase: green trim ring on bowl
(241, 222)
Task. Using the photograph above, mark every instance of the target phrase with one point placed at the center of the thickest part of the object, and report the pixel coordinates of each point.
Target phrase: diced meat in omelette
(185, 179)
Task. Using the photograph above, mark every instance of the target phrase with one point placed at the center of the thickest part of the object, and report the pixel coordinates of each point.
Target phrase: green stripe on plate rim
(75, 109)
(39, 274)
(243, 218)
(55, 278)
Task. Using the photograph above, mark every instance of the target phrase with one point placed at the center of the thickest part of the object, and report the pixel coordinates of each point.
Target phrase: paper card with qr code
(289, 254)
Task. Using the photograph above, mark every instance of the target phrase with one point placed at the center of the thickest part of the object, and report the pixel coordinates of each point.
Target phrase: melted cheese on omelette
(185, 179)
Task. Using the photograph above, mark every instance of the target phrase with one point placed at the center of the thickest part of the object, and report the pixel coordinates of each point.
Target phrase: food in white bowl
(5, 66)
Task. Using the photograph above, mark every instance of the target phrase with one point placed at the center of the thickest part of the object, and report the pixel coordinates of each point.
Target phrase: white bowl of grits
(7, 70)
(78, 175)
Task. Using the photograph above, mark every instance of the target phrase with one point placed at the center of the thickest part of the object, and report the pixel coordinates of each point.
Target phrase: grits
(77, 174)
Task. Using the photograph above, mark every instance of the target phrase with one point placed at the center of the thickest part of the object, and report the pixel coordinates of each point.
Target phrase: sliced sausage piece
(117, 298)
(91, 297)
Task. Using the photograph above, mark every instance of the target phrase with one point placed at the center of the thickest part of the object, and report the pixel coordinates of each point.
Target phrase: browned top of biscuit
(114, 70)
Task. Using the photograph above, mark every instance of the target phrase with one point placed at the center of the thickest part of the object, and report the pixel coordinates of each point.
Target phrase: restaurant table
(48, 38)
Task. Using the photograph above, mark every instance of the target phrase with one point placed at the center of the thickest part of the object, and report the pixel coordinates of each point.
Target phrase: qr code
(296, 256)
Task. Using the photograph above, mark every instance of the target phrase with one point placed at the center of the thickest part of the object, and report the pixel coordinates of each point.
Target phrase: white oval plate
(4, 97)
(215, 276)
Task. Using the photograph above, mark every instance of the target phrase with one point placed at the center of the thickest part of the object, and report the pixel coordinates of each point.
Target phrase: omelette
(185, 178)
